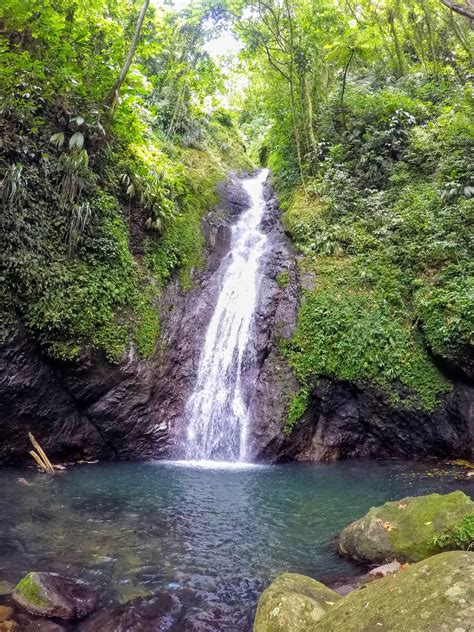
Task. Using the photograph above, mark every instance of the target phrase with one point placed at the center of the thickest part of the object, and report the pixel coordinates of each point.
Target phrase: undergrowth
(385, 229)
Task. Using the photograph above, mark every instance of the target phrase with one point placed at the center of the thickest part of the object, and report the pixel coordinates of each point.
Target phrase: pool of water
(131, 529)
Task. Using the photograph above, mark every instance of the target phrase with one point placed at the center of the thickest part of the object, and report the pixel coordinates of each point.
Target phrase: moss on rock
(406, 529)
(29, 590)
(53, 595)
(436, 595)
(293, 602)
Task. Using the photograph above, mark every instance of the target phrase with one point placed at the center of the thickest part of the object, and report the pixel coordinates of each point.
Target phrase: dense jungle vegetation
(102, 194)
(363, 111)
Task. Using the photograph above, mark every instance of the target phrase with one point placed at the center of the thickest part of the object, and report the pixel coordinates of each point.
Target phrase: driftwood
(40, 456)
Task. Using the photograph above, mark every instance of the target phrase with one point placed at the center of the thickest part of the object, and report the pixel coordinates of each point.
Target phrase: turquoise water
(220, 534)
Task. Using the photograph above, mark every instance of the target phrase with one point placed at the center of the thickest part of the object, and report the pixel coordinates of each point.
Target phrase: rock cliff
(89, 408)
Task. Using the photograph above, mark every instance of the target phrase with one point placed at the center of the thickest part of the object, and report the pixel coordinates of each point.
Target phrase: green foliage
(283, 278)
(296, 409)
(461, 537)
(82, 303)
(385, 225)
(180, 244)
(148, 327)
(84, 197)
(445, 308)
(350, 328)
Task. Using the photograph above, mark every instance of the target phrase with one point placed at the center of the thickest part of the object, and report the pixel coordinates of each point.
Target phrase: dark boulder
(53, 595)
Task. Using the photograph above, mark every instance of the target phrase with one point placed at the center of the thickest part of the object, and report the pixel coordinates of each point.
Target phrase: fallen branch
(40, 456)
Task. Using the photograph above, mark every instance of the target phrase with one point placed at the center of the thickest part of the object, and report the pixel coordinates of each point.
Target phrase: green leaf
(57, 139)
(76, 140)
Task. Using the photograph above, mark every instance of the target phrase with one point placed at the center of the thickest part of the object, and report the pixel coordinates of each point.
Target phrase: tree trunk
(310, 123)
(343, 90)
(112, 98)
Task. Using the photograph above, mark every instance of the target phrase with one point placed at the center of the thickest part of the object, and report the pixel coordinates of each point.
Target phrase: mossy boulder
(293, 602)
(53, 595)
(404, 529)
(436, 595)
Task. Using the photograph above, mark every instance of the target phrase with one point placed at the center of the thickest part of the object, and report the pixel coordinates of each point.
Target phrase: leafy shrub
(445, 307)
(390, 252)
(462, 537)
(349, 330)
(283, 278)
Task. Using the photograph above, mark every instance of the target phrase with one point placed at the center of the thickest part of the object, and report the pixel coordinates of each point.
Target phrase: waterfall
(217, 411)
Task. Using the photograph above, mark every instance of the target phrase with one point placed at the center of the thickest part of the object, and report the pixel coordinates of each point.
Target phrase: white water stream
(217, 411)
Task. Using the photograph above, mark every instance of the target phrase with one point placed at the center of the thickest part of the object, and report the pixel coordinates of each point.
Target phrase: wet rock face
(276, 317)
(185, 317)
(347, 421)
(85, 409)
(267, 381)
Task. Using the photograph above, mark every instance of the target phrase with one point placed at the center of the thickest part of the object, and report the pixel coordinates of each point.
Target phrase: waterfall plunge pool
(214, 535)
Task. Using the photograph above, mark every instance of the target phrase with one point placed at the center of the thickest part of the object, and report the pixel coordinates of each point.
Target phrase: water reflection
(218, 533)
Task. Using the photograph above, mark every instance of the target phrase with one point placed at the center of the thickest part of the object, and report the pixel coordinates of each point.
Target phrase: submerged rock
(144, 614)
(5, 587)
(293, 602)
(41, 626)
(53, 595)
(436, 595)
(404, 529)
(216, 619)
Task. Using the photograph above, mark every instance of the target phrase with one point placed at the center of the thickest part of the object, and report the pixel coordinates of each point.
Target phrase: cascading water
(217, 410)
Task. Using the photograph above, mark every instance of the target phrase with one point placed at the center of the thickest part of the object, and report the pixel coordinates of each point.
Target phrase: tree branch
(466, 11)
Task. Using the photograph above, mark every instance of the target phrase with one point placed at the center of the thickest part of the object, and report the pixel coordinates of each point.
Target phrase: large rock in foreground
(53, 595)
(436, 595)
(293, 602)
(404, 529)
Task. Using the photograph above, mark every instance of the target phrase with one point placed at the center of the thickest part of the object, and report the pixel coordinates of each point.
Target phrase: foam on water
(209, 464)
